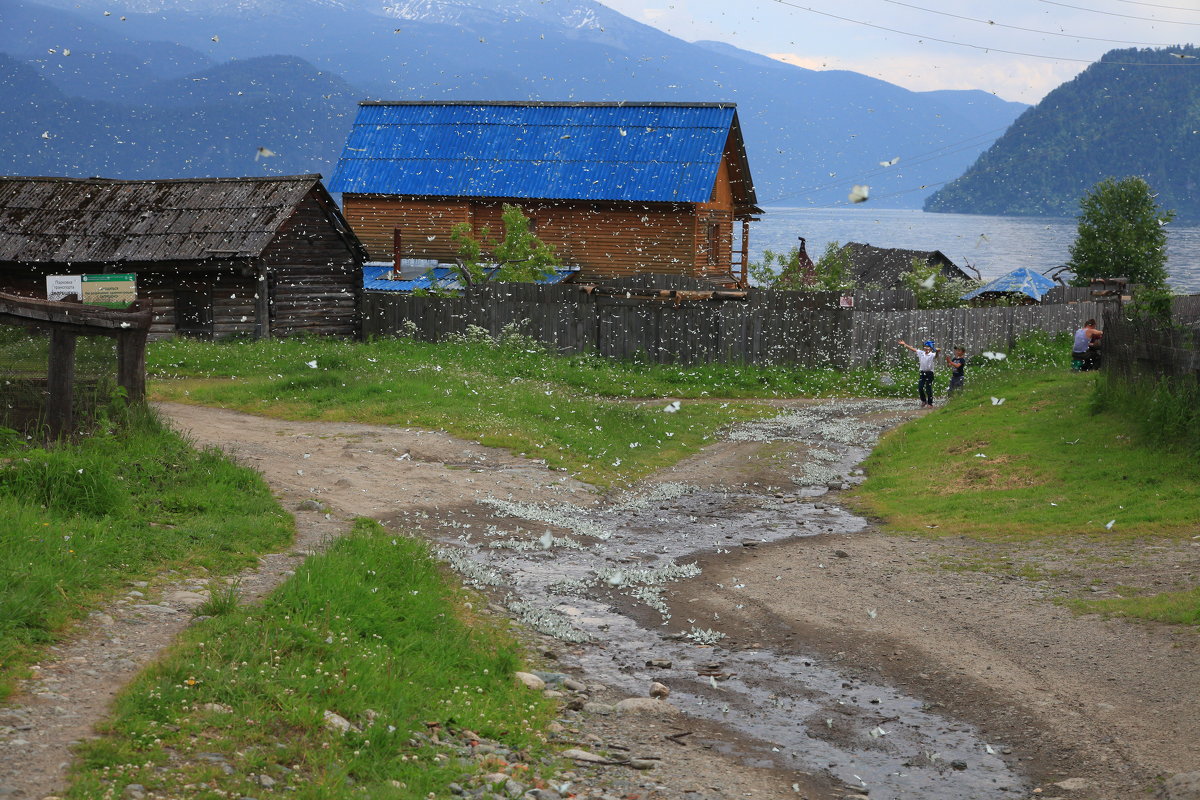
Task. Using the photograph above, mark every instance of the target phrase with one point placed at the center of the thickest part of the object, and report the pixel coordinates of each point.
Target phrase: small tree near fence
(830, 273)
(1121, 232)
(519, 257)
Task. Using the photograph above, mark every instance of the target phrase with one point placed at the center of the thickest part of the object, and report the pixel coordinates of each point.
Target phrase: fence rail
(765, 327)
(1135, 348)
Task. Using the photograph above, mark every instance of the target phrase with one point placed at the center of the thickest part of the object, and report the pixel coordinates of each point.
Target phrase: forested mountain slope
(1135, 112)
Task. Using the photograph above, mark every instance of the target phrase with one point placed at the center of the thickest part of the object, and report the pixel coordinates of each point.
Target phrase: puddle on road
(561, 566)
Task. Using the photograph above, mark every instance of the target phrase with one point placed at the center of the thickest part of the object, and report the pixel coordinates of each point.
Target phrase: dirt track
(1109, 703)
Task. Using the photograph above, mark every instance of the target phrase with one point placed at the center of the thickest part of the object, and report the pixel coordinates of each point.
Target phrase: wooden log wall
(315, 276)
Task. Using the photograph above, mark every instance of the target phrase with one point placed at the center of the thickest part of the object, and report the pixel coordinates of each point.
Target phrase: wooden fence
(1142, 348)
(762, 327)
(874, 334)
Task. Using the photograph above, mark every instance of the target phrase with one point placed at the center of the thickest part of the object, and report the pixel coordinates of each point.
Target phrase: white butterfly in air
(1111, 522)
(672, 407)
(264, 152)
(997, 401)
(890, 163)
(311, 364)
(546, 540)
(993, 356)
(929, 282)
(859, 193)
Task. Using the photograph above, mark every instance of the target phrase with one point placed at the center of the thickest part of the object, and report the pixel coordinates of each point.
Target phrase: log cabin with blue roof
(617, 188)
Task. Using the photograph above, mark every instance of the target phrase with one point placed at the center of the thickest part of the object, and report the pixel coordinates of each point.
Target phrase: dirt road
(1018, 694)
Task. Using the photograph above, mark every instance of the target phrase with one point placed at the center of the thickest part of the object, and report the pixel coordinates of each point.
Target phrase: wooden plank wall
(874, 335)
(771, 327)
(1136, 349)
(804, 328)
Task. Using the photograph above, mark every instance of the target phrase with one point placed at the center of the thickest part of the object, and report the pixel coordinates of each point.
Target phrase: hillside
(1135, 112)
(811, 134)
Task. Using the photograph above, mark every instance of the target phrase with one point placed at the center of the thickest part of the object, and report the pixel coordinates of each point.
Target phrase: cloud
(1009, 78)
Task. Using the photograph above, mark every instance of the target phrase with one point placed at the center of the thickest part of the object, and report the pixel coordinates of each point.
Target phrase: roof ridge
(551, 103)
(126, 181)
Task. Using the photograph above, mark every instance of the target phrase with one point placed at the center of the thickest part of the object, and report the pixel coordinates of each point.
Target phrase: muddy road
(811, 655)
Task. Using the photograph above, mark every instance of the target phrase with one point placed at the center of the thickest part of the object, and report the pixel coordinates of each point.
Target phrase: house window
(712, 237)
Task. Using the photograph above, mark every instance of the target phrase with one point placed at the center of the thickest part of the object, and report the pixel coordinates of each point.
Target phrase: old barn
(617, 188)
(217, 256)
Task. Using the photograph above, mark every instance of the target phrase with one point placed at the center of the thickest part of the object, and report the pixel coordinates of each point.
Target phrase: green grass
(1049, 468)
(82, 519)
(580, 413)
(371, 630)
(1180, 608)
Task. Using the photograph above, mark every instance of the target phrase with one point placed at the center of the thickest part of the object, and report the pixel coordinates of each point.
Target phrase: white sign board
(60, 286)
(846, 301)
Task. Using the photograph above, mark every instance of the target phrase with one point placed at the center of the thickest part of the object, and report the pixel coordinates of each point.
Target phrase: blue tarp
(439, 278)
(1023, 280)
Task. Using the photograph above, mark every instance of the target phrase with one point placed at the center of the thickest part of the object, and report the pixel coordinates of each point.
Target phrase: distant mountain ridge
(810, 135)
(1135, 112)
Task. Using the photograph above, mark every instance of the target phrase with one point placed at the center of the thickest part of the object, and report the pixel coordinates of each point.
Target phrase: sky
(1016, 49)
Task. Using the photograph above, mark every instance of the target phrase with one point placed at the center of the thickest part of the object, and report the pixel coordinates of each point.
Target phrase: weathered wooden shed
(617, 188)
(217, 256)
(885, 267)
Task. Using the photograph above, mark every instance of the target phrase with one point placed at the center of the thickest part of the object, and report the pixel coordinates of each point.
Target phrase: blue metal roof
(1023, 280)
(652, 152)
(440, 278)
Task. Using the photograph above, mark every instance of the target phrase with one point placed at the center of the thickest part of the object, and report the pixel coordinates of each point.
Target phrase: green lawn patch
(1040, 465)
(372, 631)
(1180, 608)
(82, 519)
(589, 415)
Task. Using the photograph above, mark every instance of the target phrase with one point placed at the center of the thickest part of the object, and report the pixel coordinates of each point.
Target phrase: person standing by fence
(926, 358)
(1085, 350)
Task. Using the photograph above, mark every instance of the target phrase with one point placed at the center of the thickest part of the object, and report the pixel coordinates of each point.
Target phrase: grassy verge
(371, 631)
(1039, 465)
(82, 519)
(1046, 484)
(574, 412)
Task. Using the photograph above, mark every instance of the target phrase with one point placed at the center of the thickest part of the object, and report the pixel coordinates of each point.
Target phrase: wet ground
(597, 577)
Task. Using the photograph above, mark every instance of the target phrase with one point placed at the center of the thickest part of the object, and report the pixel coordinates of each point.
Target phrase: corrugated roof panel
(653, 153)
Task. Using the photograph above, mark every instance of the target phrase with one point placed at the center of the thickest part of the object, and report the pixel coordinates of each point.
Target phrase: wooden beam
(745, 281)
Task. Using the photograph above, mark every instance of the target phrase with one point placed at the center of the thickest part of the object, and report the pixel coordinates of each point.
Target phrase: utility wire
(1115, 14)
(1159, 5)
(983, 47)
(1027, 30)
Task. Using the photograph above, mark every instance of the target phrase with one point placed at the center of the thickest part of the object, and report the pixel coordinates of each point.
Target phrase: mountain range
(186, 88)
(1136, 112)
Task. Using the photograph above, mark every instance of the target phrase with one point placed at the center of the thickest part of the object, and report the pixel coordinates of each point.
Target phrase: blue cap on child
(930, 344)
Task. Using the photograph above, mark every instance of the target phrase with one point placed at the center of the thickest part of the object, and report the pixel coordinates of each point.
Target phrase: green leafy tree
(932, 288)
(519, 257)
(1121, 232)
(831, 272)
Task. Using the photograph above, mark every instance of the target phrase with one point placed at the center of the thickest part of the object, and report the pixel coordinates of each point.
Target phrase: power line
(1159, 5)
(1026, 30)
(983, 47)
(1115, 14)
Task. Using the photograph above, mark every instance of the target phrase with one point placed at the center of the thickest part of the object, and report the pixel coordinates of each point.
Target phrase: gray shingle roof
(58, 220)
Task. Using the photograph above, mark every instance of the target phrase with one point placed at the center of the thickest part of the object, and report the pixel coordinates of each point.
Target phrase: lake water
(993, 245)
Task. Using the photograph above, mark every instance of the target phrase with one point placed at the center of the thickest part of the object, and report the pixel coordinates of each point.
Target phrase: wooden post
(262, 302)
(60, 381)
(131, 364)
(397, 240)
(745, 253)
